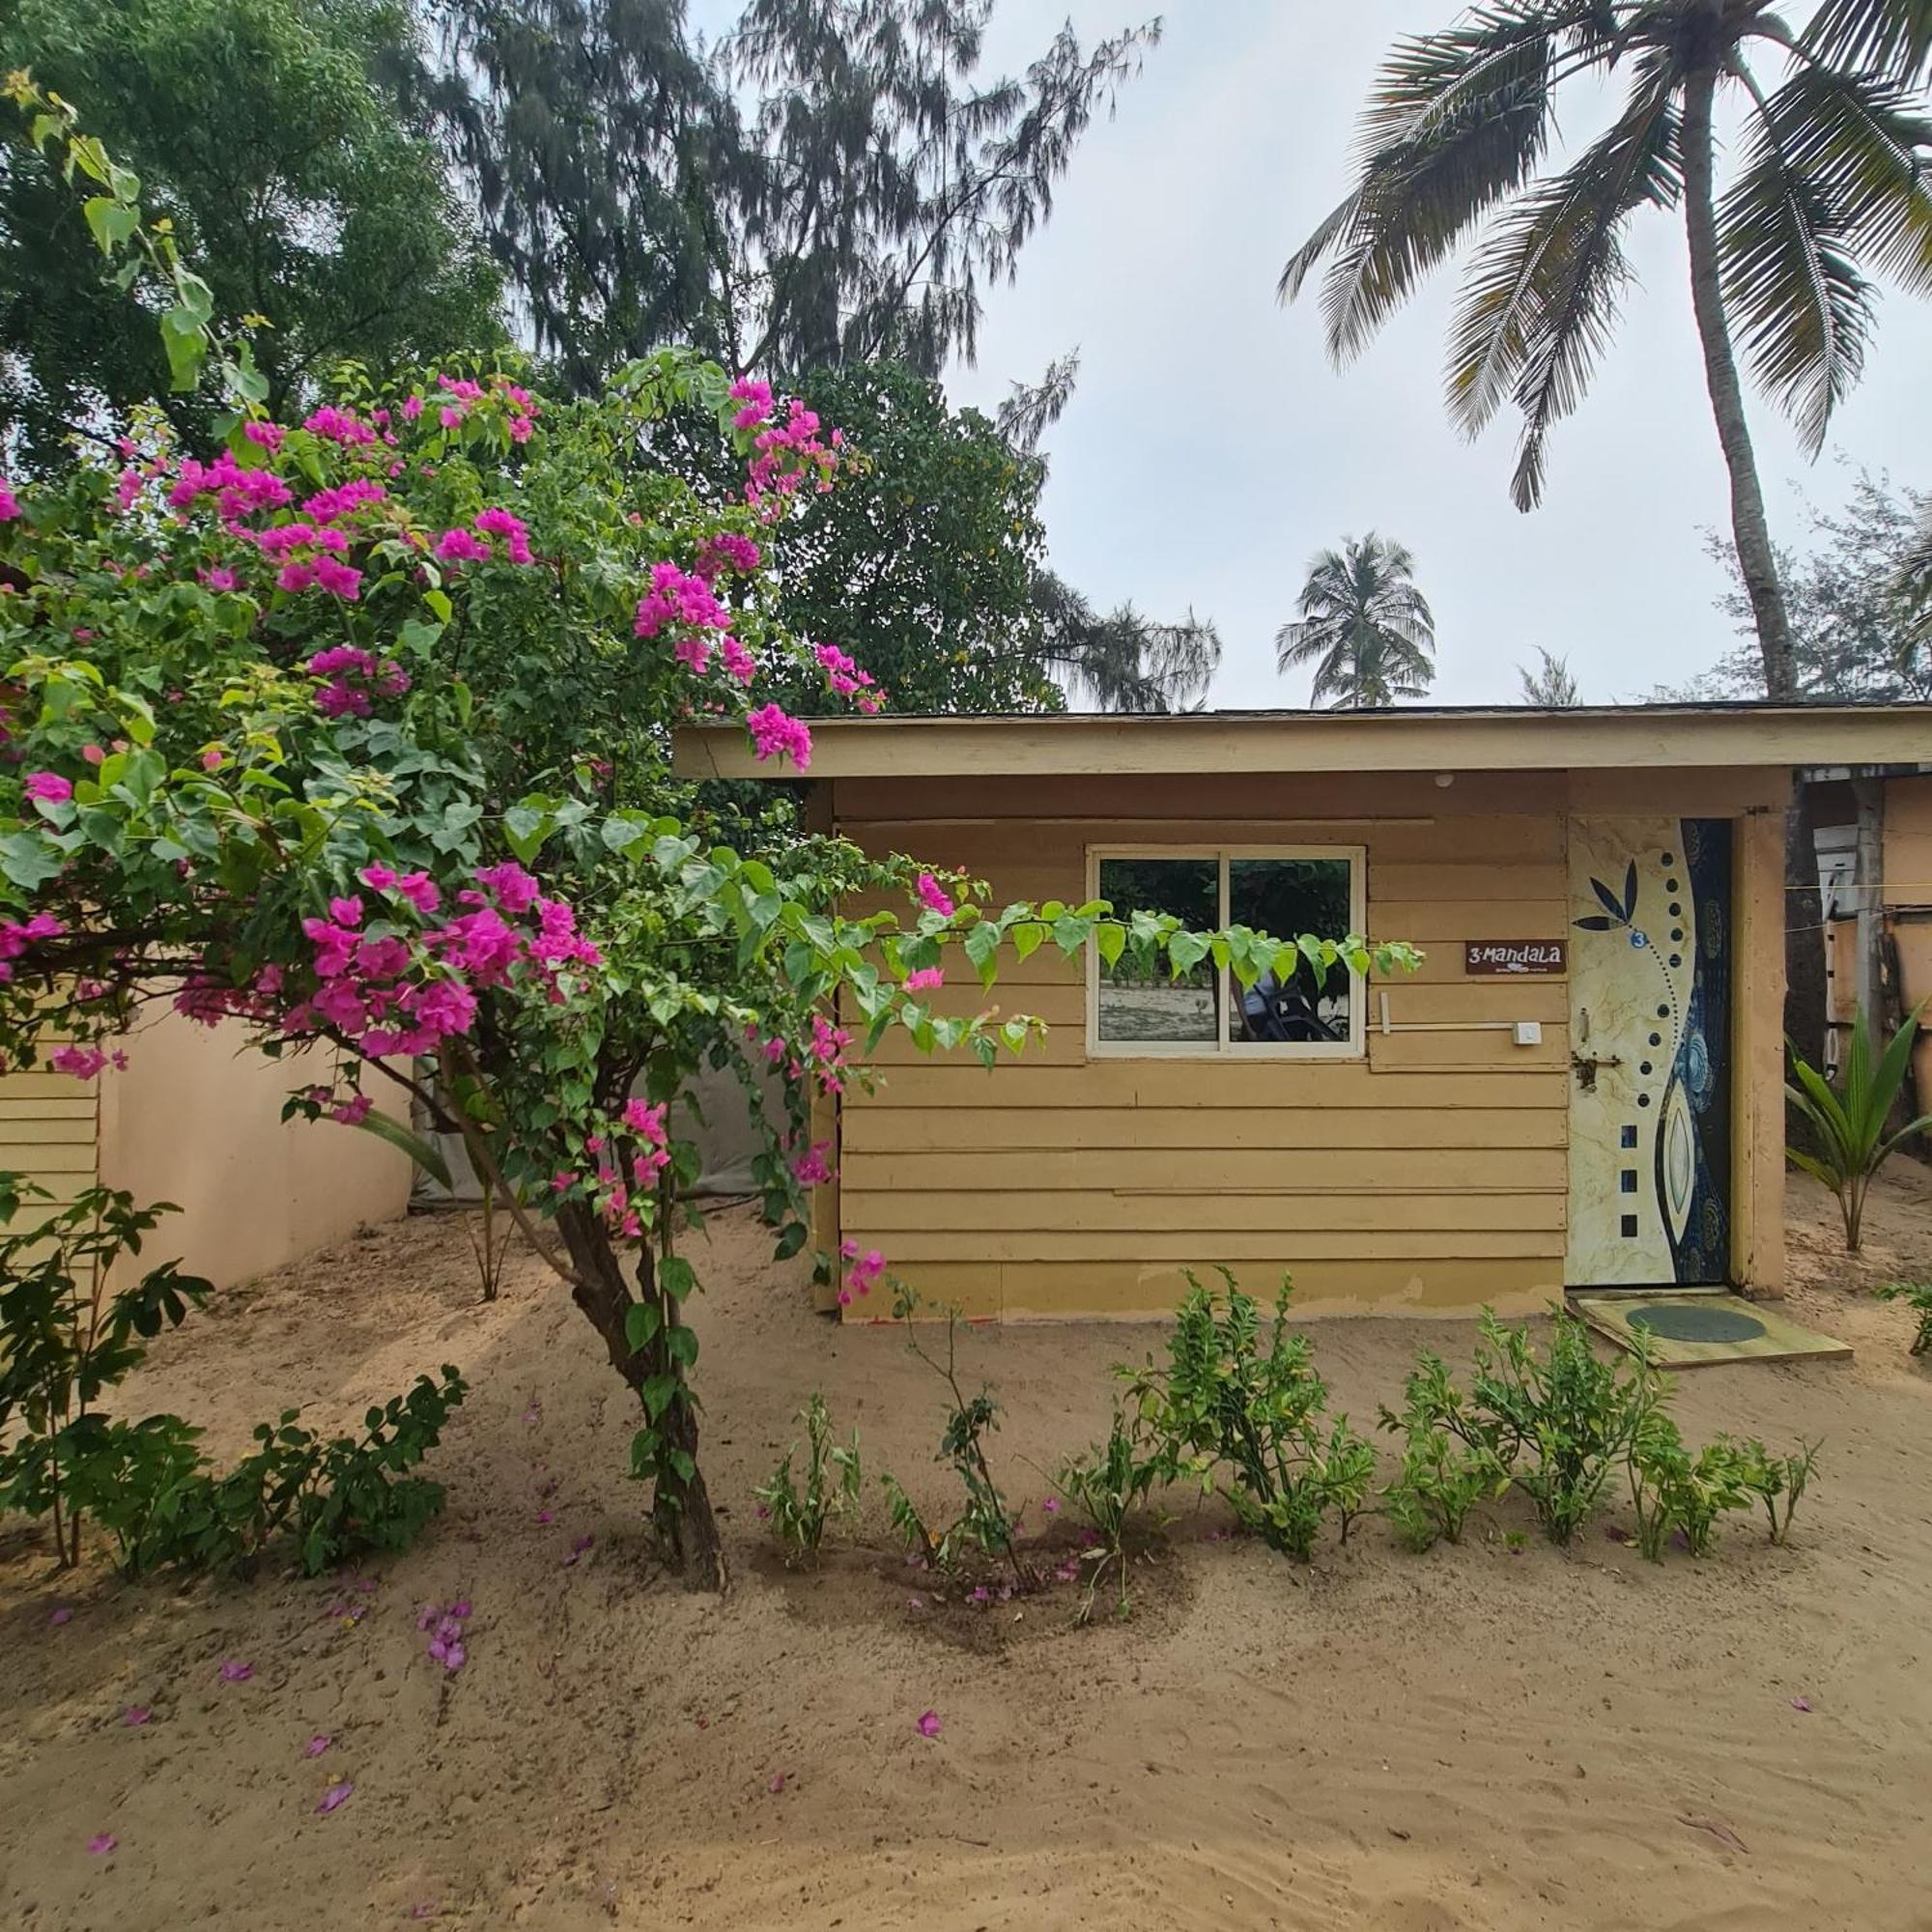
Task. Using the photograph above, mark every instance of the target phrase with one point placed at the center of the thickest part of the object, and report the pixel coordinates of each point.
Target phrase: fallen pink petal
(928, 1725)
(102, 1843)
(234, 1671)
(776, 1784)
(1051, 1506)
(1801, 1703)
(335, 1796)
(425, 1908)
(136, 1714)
(62, 1616)
(317, 1745)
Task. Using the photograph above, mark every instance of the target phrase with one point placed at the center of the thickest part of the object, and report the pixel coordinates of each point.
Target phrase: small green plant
(1916, 1297)
(1777, 1482)
(1673, 1490)
(985, 1523)
(1450, 1462)
(798, 1516)
(1106, 1486)
(1849, 1122)
(65, 1341)
(1235, 1397)
(1559, 1423)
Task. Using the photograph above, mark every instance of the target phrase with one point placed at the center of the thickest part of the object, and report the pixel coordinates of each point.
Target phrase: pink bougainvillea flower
(426, 1908)
(136, 1714)
(577, 1550)
(1051, 1505)
(545, 1516)
(317, 1745)
(927, 979)
(335, 1797)
(102, 1843)
(234, 1671)
(776, 1784)
(915, 1603)
(48, 785)
(932, 894)
(928, 1725)
(1800, 1704)
(63, 1614)
(94, 755)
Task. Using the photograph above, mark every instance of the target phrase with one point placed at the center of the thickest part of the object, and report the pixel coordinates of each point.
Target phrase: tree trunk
(1750, 535)
(681, 1505)
(1749, 530)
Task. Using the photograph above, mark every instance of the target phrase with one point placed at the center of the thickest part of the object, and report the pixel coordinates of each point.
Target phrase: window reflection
(1145, 1004)
(1287, 898)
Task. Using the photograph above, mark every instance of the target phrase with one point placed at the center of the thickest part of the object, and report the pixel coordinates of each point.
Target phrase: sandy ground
(1483, 1737)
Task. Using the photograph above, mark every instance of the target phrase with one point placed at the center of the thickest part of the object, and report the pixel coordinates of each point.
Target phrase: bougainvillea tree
(354, 732)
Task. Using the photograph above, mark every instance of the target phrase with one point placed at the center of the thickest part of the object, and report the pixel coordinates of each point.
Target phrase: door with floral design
(1650, 1130)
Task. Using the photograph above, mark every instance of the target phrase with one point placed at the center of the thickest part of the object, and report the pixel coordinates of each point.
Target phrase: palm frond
(1574, 303)
(1891, 38)
(1458, 121)
(1784, 236)
(1521, 277)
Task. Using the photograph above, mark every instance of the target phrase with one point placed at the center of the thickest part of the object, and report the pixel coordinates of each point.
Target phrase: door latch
(1586, 1066)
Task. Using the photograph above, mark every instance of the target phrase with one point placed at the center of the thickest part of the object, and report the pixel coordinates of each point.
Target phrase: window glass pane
(1286, 898)
(1138, 1005)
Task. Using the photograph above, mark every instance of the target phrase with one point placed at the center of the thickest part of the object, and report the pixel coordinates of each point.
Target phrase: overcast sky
(1212, 449)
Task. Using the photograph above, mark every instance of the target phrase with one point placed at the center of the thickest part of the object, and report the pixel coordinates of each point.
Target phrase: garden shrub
(66, 1343)
(1673, 1492)
(1445, 1473)
(798, 1516)
(1249, 1402)
(1559, 1423)
(1916, 1297)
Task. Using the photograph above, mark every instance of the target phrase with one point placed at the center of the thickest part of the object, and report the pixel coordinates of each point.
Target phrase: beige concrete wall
(196, 1119)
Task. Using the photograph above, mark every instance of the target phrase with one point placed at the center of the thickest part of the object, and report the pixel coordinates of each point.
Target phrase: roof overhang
(1626, 737)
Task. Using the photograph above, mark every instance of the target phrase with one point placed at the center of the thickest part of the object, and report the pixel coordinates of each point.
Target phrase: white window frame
(1354, 1047)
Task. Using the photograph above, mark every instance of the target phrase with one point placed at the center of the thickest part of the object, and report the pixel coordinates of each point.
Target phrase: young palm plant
(1849, 1122)
(1831, 183)
(1365, 627)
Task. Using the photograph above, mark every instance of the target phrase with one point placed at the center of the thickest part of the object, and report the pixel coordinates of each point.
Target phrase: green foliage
(1916, 1297)
(986, 1523)
(798, 1515)
(67, 1340)
(1559, 1423)
(1673, 1490)
(1777, 1482)
(330, 1498)
(833, 184)
(1239, 1399)
(1851, 1123)
(1851, 591)
(1106, 1486)
(262, 145)
(1445, 1473)
(1364, 626)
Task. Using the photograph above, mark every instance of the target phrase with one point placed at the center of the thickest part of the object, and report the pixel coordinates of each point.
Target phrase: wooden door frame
(1757, 1047)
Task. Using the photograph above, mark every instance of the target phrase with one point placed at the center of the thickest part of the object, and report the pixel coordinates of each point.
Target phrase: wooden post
(1758, 1053)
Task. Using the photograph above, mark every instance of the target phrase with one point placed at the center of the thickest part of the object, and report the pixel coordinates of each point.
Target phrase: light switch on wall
(1530, 1032)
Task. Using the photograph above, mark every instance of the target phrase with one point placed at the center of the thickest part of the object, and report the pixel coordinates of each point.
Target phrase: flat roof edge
(1093, 744)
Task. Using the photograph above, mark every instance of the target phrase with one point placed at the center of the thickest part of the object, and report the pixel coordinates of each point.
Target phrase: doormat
(1687, 1328)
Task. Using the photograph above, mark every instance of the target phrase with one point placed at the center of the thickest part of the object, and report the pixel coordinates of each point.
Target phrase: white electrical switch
(1530, 1032)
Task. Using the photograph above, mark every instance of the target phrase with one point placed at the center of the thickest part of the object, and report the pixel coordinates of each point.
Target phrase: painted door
(1650, 917)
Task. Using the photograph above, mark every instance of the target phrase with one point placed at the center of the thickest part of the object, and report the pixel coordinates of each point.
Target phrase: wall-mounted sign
(1513, 957)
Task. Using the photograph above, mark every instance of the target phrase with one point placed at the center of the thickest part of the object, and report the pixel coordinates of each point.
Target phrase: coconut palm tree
(1832, 180)
(1365, 627)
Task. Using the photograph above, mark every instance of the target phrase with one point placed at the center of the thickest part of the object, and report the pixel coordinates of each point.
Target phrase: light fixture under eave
(1445, 780)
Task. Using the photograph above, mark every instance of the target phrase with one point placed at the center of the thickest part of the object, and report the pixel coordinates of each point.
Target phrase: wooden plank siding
(49, 1133)
(1429, 1173)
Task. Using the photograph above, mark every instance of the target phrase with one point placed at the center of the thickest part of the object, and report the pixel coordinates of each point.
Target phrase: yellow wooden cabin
(1581, 1087)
